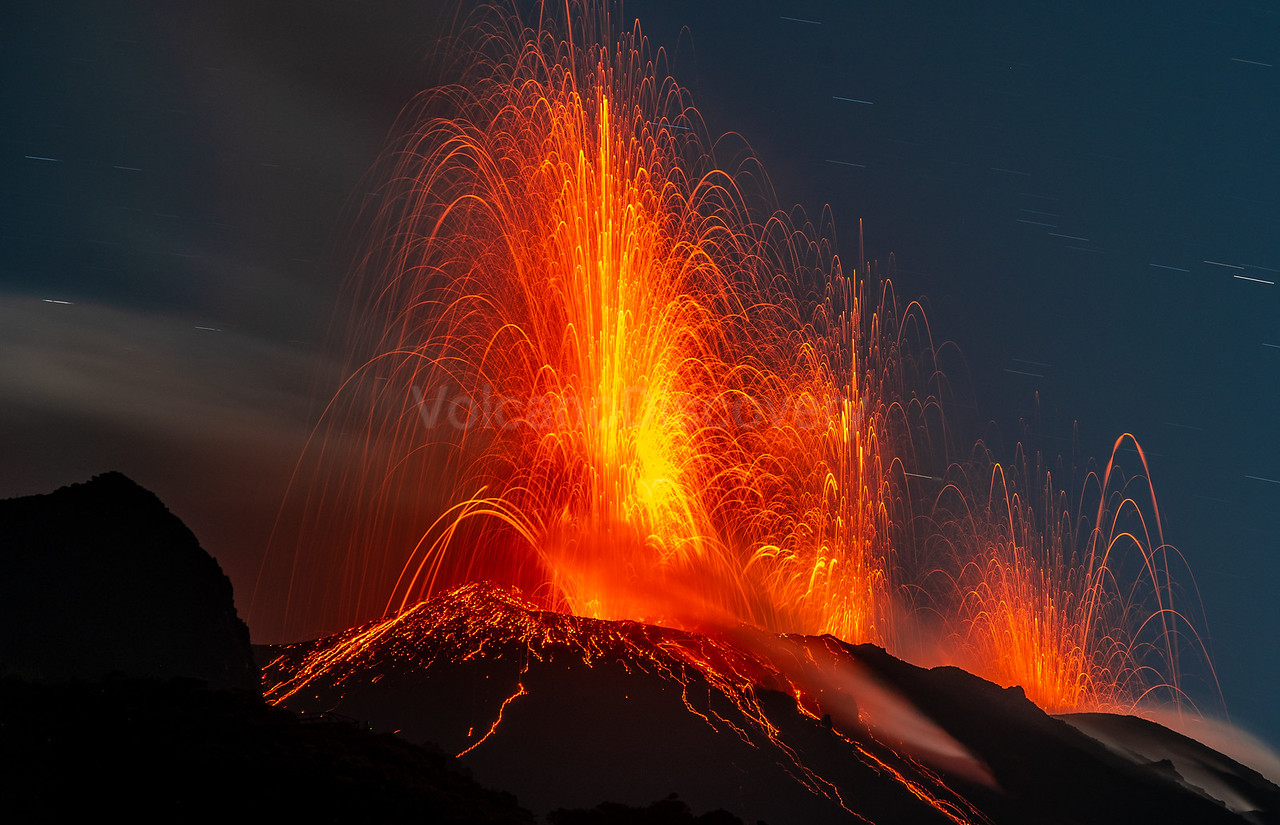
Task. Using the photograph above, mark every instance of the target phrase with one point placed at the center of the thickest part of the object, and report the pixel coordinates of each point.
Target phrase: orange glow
(591, 364)
(1078, 612)
(599, 367)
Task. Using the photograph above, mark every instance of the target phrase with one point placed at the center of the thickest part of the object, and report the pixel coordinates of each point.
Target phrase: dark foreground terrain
(128, 687)
(175, 750)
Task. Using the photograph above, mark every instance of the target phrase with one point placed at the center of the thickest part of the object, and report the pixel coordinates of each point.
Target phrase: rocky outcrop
(100, 578)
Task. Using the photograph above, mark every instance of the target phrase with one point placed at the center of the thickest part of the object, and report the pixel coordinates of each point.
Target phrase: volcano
(567, 712)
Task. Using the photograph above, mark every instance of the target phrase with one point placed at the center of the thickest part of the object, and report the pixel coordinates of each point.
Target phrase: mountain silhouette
(100, 578)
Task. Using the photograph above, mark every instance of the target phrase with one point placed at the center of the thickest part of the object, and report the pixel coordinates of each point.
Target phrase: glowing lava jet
(590, 364)
(640, 402)
(1081, 611)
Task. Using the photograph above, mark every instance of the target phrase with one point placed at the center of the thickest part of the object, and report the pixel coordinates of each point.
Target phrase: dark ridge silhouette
(1043, 763)
(175, 751)
(100, 578)
(669, 811)
(1185, 761)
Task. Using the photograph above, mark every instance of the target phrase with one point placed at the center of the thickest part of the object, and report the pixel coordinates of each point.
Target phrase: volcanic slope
(566, 712)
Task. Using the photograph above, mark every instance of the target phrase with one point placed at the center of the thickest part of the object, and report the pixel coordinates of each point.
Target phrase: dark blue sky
(1088, 194)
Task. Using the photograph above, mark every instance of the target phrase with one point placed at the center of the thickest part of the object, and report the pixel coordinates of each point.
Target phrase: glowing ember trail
(639, 402)
(590, 364)
(1080, 613)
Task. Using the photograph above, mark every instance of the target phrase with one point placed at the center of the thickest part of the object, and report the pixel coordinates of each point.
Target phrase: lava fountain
(1076, 602)
(588, 362)
(606, 382)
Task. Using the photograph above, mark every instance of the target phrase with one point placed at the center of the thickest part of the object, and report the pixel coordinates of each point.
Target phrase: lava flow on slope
(567, 711)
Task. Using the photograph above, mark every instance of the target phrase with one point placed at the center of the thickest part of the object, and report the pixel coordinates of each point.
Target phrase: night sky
(1086, 198)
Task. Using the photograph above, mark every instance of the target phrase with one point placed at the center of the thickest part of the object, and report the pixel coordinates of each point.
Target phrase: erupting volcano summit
(592, 362)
